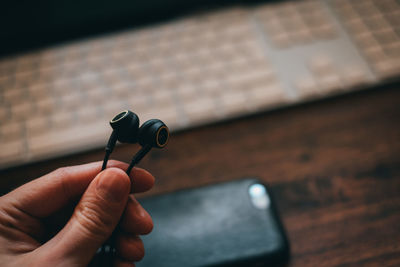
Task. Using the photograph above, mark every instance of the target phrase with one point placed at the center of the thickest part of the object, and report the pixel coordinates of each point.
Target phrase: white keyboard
(194, 70)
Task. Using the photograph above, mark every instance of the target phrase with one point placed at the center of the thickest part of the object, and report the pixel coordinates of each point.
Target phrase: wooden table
(333, 166)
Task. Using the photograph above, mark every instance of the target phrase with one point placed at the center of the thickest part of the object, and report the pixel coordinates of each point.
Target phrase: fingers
(94, 218)
(129, 247)
(141, 179)
(135, 219)
(67, 184)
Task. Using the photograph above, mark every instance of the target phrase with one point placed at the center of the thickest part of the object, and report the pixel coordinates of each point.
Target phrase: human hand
(32, 233)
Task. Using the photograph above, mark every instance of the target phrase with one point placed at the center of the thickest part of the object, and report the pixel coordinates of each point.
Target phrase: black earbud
(126, 124)
(153, 133)
(125, 130)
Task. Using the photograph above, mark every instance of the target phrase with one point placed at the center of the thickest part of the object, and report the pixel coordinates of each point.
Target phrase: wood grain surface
(333, 166)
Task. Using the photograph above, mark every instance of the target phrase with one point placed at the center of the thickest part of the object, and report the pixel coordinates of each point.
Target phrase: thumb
(94, 218)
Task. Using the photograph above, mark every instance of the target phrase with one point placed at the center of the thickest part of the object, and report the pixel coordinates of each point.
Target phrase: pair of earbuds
(152, 133)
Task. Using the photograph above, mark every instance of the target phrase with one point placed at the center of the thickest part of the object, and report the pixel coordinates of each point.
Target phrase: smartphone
(227, 224)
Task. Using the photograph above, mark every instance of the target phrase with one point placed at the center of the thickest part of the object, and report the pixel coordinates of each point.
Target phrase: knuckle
(115, 171)
(113, 162)
(62, 175)
(62, 172)
(96, 223)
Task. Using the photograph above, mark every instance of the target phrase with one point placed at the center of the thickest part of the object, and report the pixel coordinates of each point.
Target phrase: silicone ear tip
(162, 136)
(126, 124)
(122, 119)
(120, 116)
(154, 133)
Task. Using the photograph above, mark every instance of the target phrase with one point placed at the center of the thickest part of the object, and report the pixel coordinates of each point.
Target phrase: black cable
(109, 148)
(106, 253)
(106, 157)
(138, 157)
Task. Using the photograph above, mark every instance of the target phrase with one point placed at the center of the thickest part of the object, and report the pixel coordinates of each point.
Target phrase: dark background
(27, 25)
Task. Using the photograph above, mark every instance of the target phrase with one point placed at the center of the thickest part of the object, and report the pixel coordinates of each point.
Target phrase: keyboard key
(6, 82)
(11, 130)
(96, 95)
(138, 102)
(260, 98)
(377, 22)
(375, 54)
(388, 68)
(27, 62)
(367, 40)
(45, 105)
(11, 150)
(281, 40)
(21, 110)
(307, 87)
(322, 65)
(61, 119)
(36, 125)
(169, 115)
(12, 95)
(302, 36)
(4, 114)
(234, 103)
(386, 36)
(354, 76)
(357, 26)
(7, 66)
(88, 113)
(162, 98)
(200, 110)
(210, 87)
(329, 83)
(23, 79)
(187, 91)
(325, 31)
(392, 50)
(71, 100)
(38, 90)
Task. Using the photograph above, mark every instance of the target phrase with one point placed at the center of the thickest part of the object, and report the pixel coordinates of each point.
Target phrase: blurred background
(67, 68)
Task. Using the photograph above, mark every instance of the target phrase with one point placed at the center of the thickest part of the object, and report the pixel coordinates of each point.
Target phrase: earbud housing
(126, 125)
(153, 133)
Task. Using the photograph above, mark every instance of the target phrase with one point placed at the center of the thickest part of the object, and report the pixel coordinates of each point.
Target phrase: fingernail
(111, 186)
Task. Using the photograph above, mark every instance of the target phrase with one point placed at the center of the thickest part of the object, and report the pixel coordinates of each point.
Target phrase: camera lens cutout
(259, 197)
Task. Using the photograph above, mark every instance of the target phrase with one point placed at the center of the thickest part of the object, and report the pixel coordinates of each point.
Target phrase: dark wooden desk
(334, 167)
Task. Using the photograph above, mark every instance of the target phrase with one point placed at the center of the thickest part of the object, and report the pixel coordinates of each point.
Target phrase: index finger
(43, 196)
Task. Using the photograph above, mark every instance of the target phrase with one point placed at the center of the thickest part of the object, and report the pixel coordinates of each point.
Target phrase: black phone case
(214, 225)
